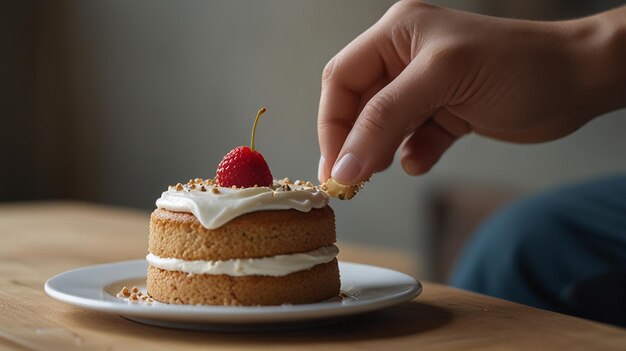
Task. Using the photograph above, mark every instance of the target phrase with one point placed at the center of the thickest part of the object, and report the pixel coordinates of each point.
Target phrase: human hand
(423, 76)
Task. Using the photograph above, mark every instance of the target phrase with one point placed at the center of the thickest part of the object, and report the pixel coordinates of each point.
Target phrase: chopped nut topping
(298, 182)
(309, 184)
(125, 292)
(192, 187)
(215, 190)
(284, 187)
(197, 180)
(203, 188)
(134, 296)
(179, 187)
(286, 180)
(340, 191)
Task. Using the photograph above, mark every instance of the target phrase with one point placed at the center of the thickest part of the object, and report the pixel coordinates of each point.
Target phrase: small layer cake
(242, 246)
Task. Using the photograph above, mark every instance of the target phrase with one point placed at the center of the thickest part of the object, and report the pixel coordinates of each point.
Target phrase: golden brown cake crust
(316, 284)
(253, 235)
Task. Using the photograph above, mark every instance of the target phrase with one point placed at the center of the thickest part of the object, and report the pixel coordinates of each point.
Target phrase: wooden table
(42, 239)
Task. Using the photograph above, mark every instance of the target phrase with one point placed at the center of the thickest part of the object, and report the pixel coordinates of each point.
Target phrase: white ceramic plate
(366, 288)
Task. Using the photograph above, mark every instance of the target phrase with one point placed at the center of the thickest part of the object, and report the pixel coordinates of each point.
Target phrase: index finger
(346, 78)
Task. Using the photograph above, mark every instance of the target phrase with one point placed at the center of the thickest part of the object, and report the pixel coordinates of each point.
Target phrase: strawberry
(243, 166)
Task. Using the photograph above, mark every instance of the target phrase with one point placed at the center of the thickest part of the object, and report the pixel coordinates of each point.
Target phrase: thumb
(386, 119)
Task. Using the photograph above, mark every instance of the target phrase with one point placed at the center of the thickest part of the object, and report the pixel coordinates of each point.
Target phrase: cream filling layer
(214, 209)
(275, 266)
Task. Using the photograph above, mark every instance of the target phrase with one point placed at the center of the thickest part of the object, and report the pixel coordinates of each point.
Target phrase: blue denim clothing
(564, 251)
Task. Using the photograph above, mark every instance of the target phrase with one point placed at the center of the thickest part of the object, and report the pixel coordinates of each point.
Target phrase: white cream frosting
(274, 266)
(216, 209)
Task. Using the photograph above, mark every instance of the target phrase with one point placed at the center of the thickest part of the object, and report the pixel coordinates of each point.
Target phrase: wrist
(598, 46)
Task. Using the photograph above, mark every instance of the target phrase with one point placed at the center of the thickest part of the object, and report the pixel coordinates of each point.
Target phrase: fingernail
(347, 169)
(411, 167)
(321, 170)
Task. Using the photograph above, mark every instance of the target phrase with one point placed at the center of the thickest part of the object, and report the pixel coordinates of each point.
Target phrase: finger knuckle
(377, 114)
(404, 6)
(329, 124)
(449, 56)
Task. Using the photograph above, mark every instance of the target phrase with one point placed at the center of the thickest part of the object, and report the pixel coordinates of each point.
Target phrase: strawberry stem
(256, 121)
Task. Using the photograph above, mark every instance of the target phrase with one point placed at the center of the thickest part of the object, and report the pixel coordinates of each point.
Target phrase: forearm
(599, 44)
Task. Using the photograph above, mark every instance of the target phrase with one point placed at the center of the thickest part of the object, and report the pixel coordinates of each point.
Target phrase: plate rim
(229, 314)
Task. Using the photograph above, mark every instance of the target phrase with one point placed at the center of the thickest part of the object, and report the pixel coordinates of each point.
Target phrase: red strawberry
(244, 167)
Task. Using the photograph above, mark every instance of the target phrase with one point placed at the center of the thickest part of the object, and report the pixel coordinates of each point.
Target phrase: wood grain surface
(40, 240)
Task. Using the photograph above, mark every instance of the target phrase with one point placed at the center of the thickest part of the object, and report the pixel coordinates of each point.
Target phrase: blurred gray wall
(111, 101)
